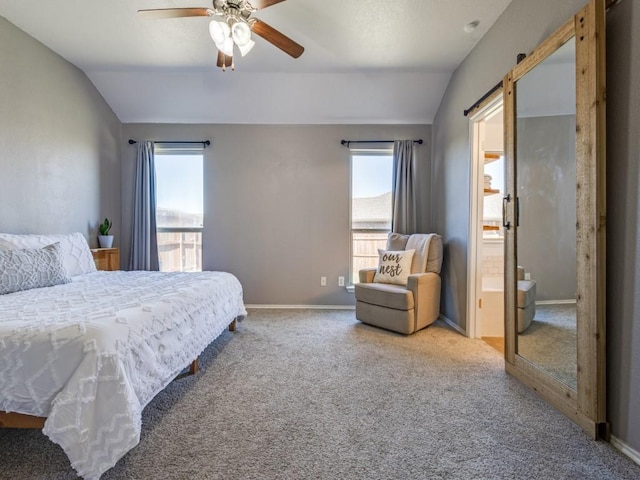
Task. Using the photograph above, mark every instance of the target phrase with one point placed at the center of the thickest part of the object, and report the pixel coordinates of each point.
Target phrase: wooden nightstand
(106, 258)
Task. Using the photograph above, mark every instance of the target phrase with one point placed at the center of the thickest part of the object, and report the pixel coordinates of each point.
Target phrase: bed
(89, 352)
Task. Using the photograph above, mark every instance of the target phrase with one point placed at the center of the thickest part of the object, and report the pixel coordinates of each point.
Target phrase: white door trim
(474, 273)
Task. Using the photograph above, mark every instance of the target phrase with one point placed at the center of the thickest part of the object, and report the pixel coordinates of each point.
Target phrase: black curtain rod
(348, 142)
(204, 142)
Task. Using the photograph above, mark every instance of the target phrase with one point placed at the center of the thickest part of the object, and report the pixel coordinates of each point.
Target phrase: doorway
(486, 233)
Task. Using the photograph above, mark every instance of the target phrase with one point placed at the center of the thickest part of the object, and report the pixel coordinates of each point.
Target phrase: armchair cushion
(427, 246)
(386, 295)
(394, 266)
(526, 293)
(397, 241)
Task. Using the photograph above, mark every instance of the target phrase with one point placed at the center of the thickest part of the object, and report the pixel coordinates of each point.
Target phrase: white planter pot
(105, 241)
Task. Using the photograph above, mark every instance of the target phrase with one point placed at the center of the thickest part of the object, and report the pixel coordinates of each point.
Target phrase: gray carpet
(299, 394)
(550, 341)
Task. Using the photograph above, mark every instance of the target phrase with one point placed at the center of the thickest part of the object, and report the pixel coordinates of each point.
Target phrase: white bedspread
(91, 354)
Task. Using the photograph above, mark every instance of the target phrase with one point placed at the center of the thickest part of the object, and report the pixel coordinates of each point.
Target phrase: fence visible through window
(365, 247)
(179, 251)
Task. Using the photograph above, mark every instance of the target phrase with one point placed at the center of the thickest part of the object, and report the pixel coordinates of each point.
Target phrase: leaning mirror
(554, 218)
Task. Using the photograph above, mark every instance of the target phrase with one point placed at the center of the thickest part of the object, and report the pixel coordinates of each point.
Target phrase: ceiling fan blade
(278, 39)
(176, 12)
(260, 4)
(224, 60)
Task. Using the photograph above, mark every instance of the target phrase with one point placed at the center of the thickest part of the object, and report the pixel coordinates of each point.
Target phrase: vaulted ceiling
(365, 61)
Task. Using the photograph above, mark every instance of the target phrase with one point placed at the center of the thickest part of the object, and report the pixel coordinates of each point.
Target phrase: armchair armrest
(418, 280)
(426, 297)
(366, 275)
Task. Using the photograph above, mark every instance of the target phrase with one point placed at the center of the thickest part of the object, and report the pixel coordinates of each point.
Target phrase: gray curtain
(405, 191)
(144, 242)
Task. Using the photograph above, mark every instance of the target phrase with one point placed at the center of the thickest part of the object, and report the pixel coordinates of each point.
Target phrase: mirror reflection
(546, 234)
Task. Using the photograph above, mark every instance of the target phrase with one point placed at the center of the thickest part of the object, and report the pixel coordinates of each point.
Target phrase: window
(179, 206)
(371, 185)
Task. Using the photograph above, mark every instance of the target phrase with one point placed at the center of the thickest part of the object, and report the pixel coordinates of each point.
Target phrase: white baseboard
(453, 325)
(626, 449)
(299, 307)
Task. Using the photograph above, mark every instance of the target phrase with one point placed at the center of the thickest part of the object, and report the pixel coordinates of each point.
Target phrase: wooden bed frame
(21, 420)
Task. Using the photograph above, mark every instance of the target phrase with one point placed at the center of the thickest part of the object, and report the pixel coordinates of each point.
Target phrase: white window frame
(386, 152)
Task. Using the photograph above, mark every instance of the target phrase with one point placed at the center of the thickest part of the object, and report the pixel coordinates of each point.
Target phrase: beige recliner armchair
(404, 308)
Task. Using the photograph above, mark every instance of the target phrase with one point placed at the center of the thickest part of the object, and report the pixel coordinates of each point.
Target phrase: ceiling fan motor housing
(233, 8)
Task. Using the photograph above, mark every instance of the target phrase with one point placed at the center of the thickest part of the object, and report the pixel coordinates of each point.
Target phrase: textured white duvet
(90, 354)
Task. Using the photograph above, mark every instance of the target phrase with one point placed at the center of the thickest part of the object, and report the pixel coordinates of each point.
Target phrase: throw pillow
(24, 269)
(394, 266)
(76, 255)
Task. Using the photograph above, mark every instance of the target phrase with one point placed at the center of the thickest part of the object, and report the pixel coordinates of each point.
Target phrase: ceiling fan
(232, 26)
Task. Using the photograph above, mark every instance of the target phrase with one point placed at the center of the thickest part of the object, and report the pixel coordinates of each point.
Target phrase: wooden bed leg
(193, 368)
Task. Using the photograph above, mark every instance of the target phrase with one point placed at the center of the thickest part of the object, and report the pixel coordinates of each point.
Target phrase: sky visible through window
(179, 183)
(371, 175)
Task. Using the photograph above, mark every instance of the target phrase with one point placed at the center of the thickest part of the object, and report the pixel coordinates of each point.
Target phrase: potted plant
(104, 239)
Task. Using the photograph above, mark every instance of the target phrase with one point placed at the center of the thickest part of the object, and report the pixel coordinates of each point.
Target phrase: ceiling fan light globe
(241, 33)
(246, 48)
(219, 31)
(227, 47)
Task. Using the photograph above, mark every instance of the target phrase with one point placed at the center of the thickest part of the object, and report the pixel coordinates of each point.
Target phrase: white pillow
(76, 255)
(394, 266)
(24, 269)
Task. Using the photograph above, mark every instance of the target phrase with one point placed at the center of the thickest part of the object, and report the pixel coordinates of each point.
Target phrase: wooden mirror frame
(586, 405)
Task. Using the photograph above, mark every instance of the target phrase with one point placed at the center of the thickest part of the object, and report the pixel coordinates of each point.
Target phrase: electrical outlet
(341, 281)
(527, 276)
(323, 281)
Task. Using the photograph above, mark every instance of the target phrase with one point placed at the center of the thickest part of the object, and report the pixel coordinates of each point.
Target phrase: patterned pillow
(76, 255)
(394, 266)
(24, 269)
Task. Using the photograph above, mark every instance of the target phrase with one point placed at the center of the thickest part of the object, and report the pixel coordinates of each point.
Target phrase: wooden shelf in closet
(492, 156)
(491, 191)
(490, 228)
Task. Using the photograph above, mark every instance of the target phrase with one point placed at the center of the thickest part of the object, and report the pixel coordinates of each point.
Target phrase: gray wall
(623, 226)
(276, 203)
(524, 25)
(546, 190)
(59, 143)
